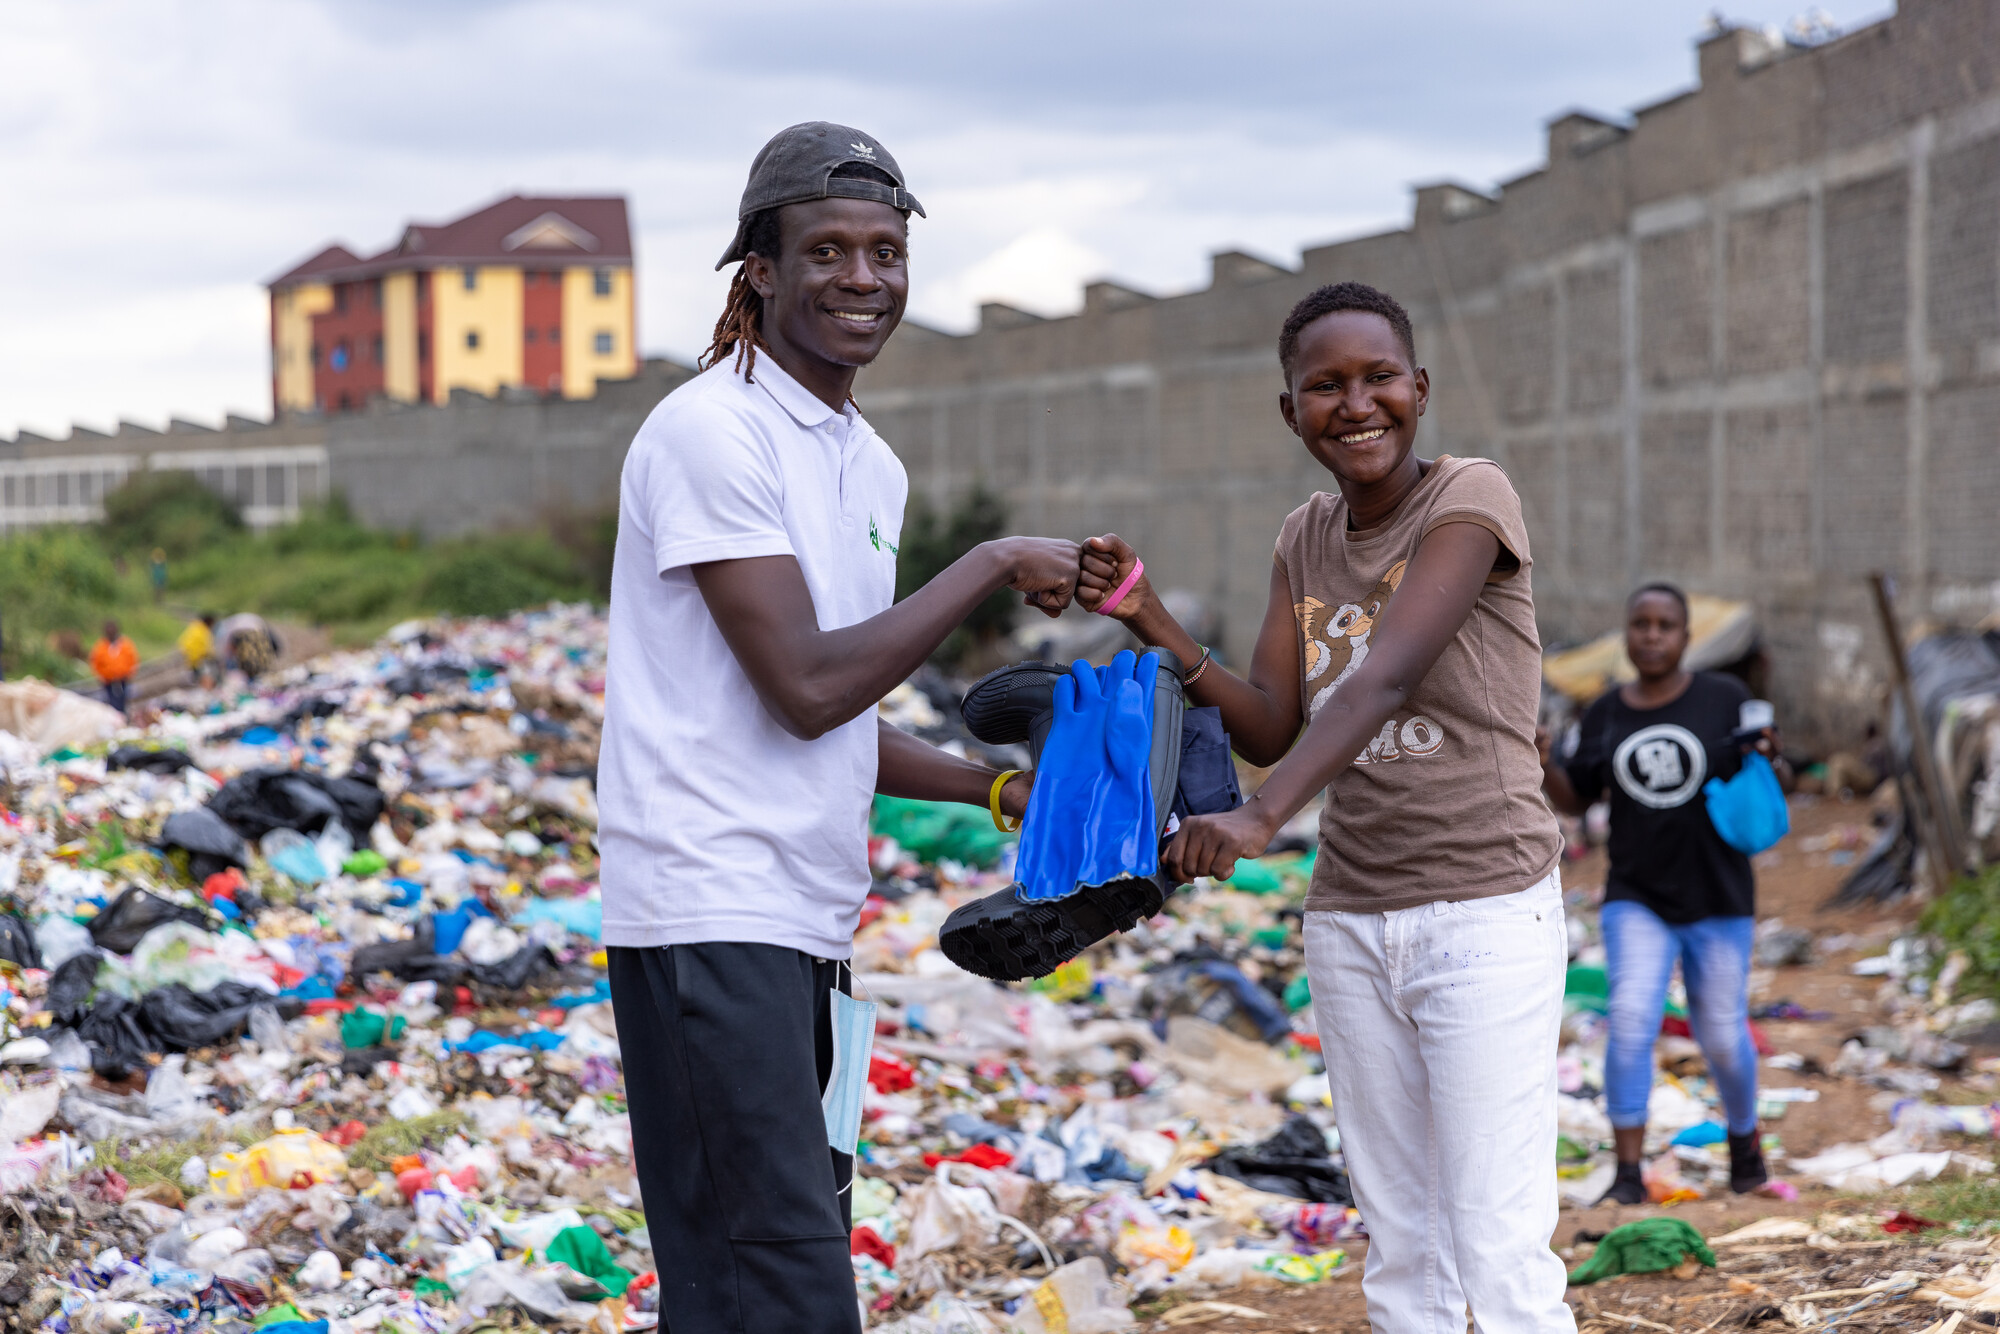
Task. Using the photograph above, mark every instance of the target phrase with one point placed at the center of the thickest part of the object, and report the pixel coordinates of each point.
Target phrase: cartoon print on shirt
(1336, 639)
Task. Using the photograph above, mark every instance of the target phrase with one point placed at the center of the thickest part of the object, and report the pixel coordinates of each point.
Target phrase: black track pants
(727, 1047)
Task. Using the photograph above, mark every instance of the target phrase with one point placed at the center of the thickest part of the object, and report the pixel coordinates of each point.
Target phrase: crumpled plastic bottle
(1090, 818)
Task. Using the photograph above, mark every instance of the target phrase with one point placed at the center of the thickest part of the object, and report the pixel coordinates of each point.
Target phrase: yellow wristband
(993, 803)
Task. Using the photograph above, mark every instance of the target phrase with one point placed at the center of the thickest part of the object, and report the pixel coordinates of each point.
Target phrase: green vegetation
(933, 540)
(391, 1140)
(162, 1162)
(60, 583)
(1968, 919)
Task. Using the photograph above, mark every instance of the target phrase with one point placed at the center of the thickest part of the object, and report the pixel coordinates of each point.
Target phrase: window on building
(86, 488)
(472, 340)
(529, 333)
(338, 361)
(7, 491)
(375, 290)
(62, 488)
(340, 296)
(377, 349)
(274, 485)
(471, 278)
(600, 282)
(239, 490)
(603, 342)
(423, 286)
(555, 334)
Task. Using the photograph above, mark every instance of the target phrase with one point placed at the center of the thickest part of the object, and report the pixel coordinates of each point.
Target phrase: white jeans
(1440, 1026)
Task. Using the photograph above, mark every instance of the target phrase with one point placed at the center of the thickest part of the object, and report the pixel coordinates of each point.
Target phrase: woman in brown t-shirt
(1401, 637)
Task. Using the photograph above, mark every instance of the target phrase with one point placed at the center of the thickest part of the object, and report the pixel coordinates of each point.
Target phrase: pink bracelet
(1118, 593)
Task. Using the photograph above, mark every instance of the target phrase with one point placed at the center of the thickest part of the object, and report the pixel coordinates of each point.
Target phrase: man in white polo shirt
(752, 634)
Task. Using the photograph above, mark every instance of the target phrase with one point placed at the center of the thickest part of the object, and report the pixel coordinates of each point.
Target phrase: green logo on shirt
(876, 540)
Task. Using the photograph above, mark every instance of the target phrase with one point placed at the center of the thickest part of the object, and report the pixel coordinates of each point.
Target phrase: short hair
(1670, 590)
(1336, 297)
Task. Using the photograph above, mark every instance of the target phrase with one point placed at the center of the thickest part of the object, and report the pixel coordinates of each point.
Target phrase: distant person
(248, 643)
(156, 569)
(115, 658)
(197, 646)
(1676, 890)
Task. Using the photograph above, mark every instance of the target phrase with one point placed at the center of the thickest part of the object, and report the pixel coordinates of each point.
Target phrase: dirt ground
(1794, 881)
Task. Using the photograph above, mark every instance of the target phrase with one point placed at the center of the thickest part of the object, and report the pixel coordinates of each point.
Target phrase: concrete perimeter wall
(1750, 342)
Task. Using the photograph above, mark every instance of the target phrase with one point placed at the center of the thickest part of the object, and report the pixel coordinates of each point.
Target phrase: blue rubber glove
(1090, 817)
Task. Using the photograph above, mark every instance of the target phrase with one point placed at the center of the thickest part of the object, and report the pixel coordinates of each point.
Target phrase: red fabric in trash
(890, 1075)
(346, 1133)
(411, 1180)
(1673, 1026)
(330, 1006)
(865, 1240)
(979, 1155)
(1905, 1221)
(223, 884)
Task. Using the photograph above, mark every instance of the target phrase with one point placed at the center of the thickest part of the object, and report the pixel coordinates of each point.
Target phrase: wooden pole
(1939, 831)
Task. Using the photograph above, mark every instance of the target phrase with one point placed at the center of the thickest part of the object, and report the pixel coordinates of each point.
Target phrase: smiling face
(836, 289)
(1354, 396)
(1656, 634)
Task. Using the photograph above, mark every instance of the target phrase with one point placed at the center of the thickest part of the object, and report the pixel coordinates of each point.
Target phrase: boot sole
(1005, 940)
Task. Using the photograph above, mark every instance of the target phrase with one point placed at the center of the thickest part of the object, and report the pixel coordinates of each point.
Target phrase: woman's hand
(1106, 562)
(1014, 796)
(1211, 844)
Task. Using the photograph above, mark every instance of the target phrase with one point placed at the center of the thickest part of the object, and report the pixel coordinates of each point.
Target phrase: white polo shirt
(714, 822)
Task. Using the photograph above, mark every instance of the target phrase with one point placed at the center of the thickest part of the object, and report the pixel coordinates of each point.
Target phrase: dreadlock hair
(740, 327)
(1344, 296)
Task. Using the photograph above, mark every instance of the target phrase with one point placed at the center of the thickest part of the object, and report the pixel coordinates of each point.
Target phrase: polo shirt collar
(804, 406)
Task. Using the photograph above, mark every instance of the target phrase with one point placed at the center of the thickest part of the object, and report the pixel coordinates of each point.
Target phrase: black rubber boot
(1746, 1163)
(1628, 1187)
(1002, 938)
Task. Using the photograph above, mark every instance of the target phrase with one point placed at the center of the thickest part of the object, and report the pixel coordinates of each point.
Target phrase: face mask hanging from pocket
(853, 1046)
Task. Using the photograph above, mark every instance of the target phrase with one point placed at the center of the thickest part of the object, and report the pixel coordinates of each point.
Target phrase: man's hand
(1211, 844)
(1043, 569)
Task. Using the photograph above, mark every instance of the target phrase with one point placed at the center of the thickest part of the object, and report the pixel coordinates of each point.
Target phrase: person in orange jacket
(115, 658)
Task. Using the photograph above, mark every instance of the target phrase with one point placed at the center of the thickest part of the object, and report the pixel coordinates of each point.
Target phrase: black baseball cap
(798, 164)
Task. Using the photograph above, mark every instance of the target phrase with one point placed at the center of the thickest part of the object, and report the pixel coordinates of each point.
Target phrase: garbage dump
(305, 1027)
(306, 1030)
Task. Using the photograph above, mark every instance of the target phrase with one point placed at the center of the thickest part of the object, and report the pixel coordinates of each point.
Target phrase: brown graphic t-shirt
(1446, 802)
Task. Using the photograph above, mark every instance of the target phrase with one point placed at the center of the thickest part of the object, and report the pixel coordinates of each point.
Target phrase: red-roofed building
(530, 291)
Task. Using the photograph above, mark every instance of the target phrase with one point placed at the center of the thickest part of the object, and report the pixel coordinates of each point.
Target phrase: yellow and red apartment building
(526, 292)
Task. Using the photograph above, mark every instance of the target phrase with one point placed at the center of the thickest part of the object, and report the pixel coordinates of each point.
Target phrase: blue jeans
(1714, 955)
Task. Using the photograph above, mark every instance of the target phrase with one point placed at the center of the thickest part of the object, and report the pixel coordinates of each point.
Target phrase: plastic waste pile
(304, 1028)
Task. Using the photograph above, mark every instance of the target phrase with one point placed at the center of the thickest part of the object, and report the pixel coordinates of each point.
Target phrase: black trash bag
(392, 956)
(135, 912)
(118, 1040)
(17, 942)
(256, 802)
(151, 761)
(70, 986)
(513, 972)
(183, 1020)
(212, 846)
(1293, 1162)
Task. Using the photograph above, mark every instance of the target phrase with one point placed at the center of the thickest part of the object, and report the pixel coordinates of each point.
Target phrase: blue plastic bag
(1749, 810)
(1091, 817)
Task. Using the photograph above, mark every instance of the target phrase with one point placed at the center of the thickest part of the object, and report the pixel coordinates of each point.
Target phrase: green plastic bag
(365, 1028)
(365, 863)
(585, 1252)
(1298, 992)
(935, 830)
(1253, 877)
(1645, 1247)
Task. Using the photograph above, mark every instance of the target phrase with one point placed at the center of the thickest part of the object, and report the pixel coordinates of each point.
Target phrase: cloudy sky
(160, 158)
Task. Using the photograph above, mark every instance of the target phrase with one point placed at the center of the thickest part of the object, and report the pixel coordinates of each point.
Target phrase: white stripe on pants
(1439, 1026)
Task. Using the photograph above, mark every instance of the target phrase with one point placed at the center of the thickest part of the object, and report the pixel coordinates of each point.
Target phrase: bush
(492, 576)
(54, 579)
(169, 510)
(1968, 918)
